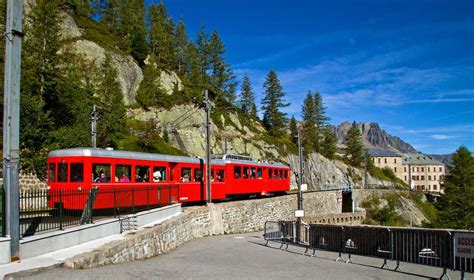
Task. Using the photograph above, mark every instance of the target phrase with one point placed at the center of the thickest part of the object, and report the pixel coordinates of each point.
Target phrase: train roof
(95, 152)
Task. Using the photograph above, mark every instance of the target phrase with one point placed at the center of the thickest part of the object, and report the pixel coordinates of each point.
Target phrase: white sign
(304, 187)
(299, 213)
(464, 245)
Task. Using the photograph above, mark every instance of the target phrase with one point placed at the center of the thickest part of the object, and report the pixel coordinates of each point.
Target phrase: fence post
(169, 191)
(147, 199)
(115, 203)
(133, 200)
(61, 203)
(2, 192)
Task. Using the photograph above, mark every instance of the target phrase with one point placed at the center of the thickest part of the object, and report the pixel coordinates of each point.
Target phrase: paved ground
(243, 257)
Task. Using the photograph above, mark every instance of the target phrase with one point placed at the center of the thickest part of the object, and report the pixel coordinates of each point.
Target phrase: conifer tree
(309, 123)
(162, 36)
(247, 95)
(253, 111)
(231, 95)
(181, 47)
(273, 119)
(40, 74)
(354, 146)
(293, 130)
(111, 125)
(203, 55)
(320, 120)
(328, 146)
(139, 45)
(456, 205)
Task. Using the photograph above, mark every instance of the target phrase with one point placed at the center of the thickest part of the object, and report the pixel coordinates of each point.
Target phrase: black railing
(48, 210)
(440, 248)
(3, 217)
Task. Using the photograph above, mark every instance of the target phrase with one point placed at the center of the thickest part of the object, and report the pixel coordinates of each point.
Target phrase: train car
(245, 176)
(132, 179)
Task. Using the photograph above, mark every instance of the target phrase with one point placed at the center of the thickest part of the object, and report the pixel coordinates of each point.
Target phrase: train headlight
(79, 189)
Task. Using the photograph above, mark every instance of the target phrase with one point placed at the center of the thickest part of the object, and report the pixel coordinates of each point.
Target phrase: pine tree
(162, 36)
(320, 120)
(139, 45)
(456, 205)
(328, 146)
(112, 122)
(273, 119)
(354, 147)
(39, 75)
(293, 130)
(231, 95)
(309, 123)
(181, 46)
(253, 111)
(203, 55)
(247, 95)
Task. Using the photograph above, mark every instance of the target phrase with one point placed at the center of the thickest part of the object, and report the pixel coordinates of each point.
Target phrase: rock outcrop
(322, 173)
(374, 137)
(185, 126)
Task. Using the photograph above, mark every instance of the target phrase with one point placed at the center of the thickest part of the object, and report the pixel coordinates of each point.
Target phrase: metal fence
(441, 248)
(47, 210)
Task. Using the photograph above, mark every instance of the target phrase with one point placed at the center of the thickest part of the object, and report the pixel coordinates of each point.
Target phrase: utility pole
(11, 121)
(207, 108)
(300, 193)
(94, 127)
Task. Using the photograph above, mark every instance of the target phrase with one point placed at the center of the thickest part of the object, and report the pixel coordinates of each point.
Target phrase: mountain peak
(374, 137)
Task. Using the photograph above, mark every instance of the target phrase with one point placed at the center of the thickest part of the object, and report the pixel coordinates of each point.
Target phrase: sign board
(299, 213)
(304, 187)
(464, 245)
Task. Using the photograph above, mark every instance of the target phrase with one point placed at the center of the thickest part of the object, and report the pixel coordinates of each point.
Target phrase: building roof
(419, 159)
(373, 152)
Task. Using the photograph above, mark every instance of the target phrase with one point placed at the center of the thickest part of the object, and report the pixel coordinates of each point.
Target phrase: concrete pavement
(244, 257)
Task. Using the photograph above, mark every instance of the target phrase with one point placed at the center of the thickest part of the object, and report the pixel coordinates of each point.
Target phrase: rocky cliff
(322, 173)
(374, 137)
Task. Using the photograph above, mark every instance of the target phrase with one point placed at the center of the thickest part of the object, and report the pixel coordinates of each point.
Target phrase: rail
(447, 249)
(48, 210)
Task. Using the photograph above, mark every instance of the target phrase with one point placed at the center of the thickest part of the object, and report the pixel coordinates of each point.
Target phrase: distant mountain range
(374, 137)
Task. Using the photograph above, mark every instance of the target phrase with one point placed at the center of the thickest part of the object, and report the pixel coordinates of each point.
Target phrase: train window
(185, 174)
(159, 174)
(275, 174)
(220, 175)
(197, 175)
(286, 174)
(253, 173)
(237, 172)
(52, 172)
(77, 171)
(142, 174)
(62, 172)
(212, 175)
(270, 173)
(246, 172)
(259, 173)
(281, 174)
(101, 172)
(122, 173)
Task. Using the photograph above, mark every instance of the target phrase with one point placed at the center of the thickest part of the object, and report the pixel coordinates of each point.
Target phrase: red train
(80, 169)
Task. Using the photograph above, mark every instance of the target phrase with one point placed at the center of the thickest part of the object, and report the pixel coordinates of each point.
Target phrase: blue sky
(408, 65)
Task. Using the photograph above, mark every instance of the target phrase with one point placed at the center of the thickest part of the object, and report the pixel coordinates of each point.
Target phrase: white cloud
(441, 136)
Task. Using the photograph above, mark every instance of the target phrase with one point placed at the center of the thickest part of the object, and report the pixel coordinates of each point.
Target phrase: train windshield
(77, 171)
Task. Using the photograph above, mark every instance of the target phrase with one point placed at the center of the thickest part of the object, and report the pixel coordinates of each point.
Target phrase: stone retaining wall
(352, 219)
(195, 222)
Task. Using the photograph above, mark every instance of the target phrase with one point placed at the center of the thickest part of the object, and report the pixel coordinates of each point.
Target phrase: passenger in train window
(102, 178)
(157, 176)
(185, 178)
(124, 178)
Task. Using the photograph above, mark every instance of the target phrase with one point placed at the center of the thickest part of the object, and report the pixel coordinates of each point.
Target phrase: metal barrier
(272, 232)
(326, 237)
(422, 246)
(463, 251)
(441, 248)
(47, 210)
